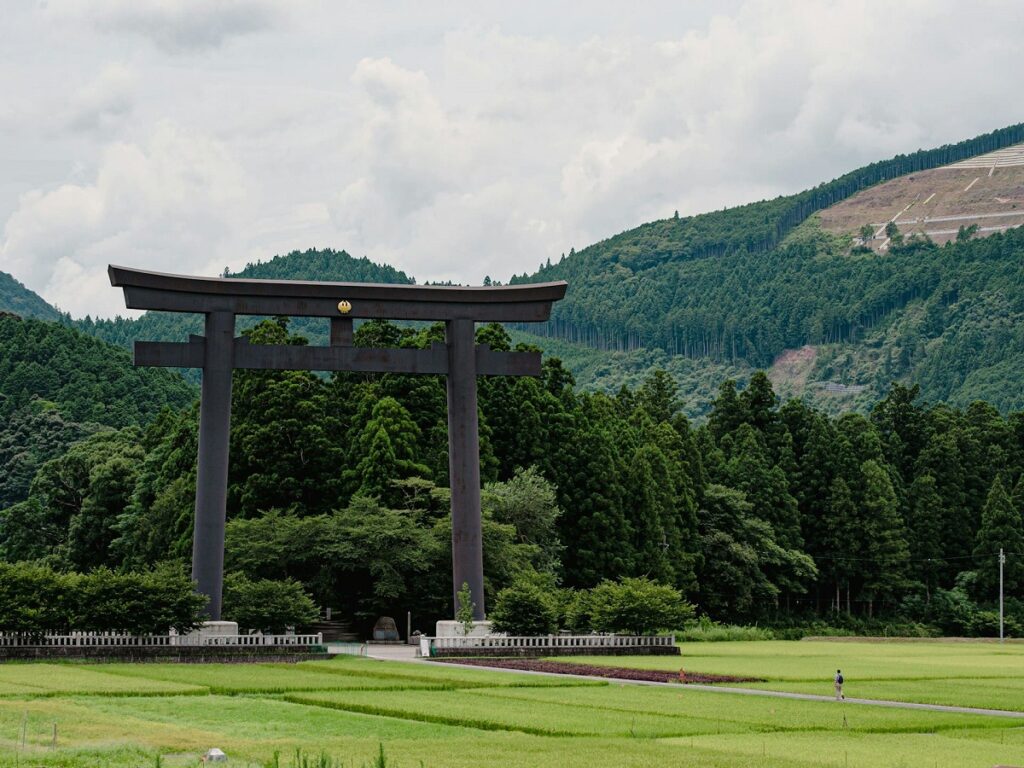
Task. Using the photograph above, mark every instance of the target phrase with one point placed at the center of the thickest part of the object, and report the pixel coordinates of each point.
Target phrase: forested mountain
(16, 299)
(947, 318)
(739, 287)
(645, 287)
(58, 385)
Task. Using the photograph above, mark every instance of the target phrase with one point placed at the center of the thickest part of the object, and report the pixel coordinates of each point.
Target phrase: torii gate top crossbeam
(182, 293)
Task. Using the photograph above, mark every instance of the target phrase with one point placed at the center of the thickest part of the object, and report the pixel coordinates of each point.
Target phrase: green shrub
(139, 603)
(954, 612)
(267, 605)
(637, 606)
(525, 608)
(986, 624)
(32, 598)
(574, 610)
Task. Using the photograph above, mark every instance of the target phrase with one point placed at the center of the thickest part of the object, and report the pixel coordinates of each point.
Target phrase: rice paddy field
(967, 674)
(434, 715)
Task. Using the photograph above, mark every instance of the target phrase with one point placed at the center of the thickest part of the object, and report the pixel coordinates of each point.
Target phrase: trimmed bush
(32, 598)
(267, 605)
(524, 608)
(637, 606)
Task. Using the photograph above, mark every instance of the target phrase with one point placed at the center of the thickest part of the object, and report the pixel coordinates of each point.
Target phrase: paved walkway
(773, 694)
(392, 652)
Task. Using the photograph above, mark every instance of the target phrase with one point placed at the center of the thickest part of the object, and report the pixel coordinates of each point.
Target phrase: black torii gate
(219, 352)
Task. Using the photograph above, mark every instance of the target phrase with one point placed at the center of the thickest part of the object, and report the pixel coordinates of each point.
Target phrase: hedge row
(35, 599)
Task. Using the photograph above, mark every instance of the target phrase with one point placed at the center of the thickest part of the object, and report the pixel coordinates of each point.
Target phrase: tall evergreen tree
(941, 459)
(900, 424)
(659, 396)
(285, 438)
(386, 450)
(727, 412)
(886, 547)
(924, 529)
(1001, 527)
(650, 509)
(840, 541)
(597, 533)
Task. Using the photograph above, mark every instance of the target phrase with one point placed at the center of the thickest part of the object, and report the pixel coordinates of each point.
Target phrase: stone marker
(385, 629)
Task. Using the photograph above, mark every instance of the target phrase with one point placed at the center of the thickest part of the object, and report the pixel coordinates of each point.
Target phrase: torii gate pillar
(212, 466)
(464, 464)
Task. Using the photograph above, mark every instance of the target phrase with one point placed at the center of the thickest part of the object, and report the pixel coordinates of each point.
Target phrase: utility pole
(1002, 560)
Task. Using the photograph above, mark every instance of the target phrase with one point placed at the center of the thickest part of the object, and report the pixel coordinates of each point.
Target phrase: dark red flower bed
(593, 670)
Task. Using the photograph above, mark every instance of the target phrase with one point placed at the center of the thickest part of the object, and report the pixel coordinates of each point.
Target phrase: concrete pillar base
(455, 629)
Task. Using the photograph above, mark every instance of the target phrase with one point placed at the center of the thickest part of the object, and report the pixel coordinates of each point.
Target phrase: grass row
(633, 711)
(67, 679)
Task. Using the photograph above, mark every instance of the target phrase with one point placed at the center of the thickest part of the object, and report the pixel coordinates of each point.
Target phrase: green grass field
(984, 675)
(122, 715)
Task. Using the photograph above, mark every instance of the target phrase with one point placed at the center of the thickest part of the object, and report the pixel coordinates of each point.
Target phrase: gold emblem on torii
(344, 306)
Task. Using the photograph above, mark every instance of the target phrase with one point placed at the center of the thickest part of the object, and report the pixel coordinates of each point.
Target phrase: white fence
(582, 643)
(115, 640)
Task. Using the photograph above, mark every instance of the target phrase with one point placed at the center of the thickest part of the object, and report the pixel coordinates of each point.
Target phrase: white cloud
(174, 203)
(104, 102)
(174, 26)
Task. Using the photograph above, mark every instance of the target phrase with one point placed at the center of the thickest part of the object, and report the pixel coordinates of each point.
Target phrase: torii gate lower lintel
(218, 353)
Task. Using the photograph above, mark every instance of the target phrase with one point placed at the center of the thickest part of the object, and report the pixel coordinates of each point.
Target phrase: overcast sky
(466, 140)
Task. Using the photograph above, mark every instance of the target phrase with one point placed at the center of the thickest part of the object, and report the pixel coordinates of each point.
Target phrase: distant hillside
(745, 287)
(58, 385)
(647, 287)
(326, 265)
(83, 378)
(19, 300)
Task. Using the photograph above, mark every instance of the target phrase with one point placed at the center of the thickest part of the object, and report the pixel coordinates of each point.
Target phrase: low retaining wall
(191, 654)
(507, 652)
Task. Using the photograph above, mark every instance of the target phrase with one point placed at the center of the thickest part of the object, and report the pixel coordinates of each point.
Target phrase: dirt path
(723, 689)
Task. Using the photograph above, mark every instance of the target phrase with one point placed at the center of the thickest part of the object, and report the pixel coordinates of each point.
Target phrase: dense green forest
(16, 299)
(58, 385)
(766, 512)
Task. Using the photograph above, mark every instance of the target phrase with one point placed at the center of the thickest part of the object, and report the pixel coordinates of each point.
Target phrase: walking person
(839, 685)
